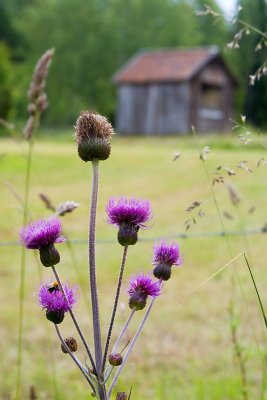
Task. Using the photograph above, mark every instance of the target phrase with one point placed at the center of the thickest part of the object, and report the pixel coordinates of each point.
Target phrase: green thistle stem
(92, 266)
(92, 278)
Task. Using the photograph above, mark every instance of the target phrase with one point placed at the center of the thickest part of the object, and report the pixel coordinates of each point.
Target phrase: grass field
(185, 351)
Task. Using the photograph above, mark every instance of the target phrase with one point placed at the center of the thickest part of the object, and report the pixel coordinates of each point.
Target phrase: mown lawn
(185, 351)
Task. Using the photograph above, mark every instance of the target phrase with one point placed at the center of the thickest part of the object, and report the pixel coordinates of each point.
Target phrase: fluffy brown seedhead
(90, 125)
(93, 133)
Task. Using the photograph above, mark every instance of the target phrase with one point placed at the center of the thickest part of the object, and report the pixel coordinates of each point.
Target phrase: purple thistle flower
(41, 233)
(167, 254)
(54, 302)
(129, 216)
(123, 211)
(142, 286)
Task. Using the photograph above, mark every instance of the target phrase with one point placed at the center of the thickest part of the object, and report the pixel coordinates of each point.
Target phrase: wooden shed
(167, 91)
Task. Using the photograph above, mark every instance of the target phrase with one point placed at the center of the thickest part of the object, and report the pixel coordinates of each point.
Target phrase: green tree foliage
(92, 40)
(8, 45)
(250, 57)
(6, 69)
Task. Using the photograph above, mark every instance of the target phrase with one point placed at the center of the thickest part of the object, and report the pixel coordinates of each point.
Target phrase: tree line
(93, 38)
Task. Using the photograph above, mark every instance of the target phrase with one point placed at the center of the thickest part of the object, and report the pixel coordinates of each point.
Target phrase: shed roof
(165, 65)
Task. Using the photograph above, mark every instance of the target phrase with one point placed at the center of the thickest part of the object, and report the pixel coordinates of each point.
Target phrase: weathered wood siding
(153, 109)
(211, 94)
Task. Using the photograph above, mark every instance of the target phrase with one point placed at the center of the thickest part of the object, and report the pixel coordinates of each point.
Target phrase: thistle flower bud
(115, 359)
(71, 343)
(55, 316)
(49, 256)
(137, 301)
(121, 396)
(162, 271)
(93, 134)
(127, 234)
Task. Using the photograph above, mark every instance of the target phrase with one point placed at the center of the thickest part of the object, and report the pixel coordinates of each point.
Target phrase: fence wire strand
(183, 235)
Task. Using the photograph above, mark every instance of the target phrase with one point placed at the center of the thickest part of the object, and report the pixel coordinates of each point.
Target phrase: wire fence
(183, 235)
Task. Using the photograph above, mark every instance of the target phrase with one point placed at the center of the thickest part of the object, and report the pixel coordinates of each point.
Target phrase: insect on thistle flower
(54, 301)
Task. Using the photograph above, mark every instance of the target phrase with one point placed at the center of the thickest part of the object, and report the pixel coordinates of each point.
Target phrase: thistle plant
(93, 136)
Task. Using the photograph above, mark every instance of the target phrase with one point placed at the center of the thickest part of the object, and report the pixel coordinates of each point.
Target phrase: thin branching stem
(124, 329)
(257, 292)
(210, 278)
(22, 270)
(115, 306)
(114, 381)
(253, 28)
(74, 320)
(109, 368)
(74, 358)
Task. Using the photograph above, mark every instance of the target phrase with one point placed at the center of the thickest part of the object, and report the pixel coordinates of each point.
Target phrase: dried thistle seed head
(71, 343)
(121, 396)
(92, 125)
(93, 134)
(115, 359)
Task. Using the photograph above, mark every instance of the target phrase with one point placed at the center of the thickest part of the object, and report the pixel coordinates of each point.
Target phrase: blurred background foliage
(94, 38)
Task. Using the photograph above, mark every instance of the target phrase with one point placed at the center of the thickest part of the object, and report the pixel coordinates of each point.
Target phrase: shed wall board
(153, 109)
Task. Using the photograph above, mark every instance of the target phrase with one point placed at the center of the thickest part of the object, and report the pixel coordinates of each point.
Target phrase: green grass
(185, 351)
